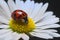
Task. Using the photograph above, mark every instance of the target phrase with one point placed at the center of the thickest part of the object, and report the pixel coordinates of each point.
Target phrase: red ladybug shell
(18, 14)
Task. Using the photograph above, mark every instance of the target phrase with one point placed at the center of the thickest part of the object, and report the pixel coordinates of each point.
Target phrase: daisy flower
(19, 19)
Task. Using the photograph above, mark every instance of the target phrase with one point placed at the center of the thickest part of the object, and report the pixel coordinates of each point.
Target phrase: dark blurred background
(54, 5)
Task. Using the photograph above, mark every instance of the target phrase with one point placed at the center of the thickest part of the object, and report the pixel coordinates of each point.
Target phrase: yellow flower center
(22, 27)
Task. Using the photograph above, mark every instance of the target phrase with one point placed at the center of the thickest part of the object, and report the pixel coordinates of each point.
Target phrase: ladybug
(19, 15)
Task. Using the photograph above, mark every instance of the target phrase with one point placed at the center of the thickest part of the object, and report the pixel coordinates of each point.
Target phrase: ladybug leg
(25, 20)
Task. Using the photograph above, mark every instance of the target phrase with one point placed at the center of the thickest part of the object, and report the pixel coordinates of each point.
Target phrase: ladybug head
(19, 15)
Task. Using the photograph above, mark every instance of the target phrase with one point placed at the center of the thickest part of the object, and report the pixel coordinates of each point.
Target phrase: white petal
(47, 15)
(53, 34)
(15, 36)
(42, 35)
(48, 22)
(18, 3)
(5, 8)
(12, 5)
(6, 36)
(4, 26)
(48, 26)
(36, 9)
(3, 20)
(47, 30)
(21, 5)
(25, 37)
(1, 39)
(4, 14)
(45, 33)
(41, 13)
(3, 31)
(29, 6)
(32, 8)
